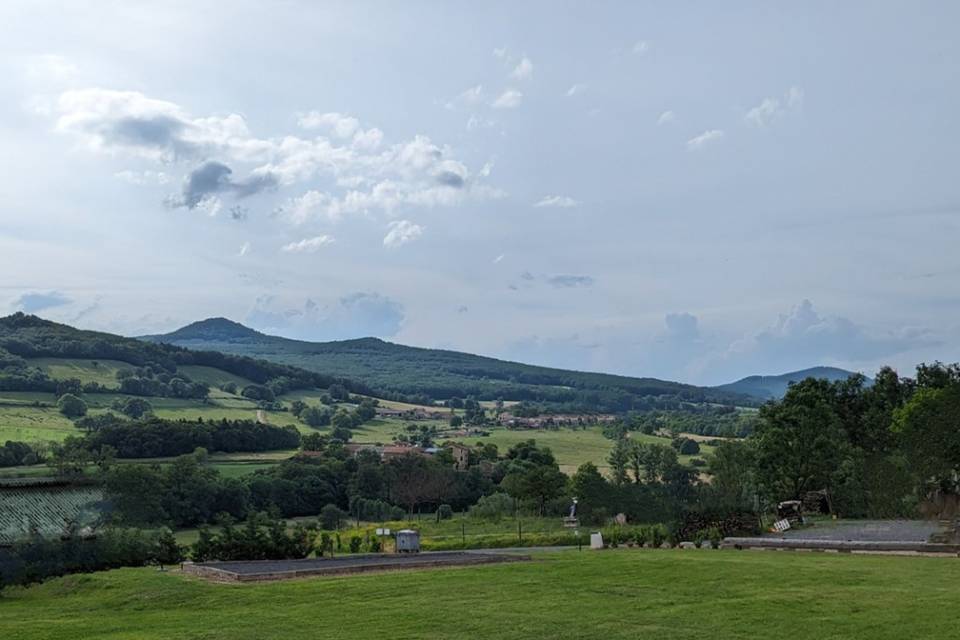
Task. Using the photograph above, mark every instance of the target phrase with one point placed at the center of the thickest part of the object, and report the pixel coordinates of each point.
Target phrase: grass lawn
(609, 595)
(101, 371)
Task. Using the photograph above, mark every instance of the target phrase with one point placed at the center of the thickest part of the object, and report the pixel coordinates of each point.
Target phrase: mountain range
(440, 373)
(773, 387)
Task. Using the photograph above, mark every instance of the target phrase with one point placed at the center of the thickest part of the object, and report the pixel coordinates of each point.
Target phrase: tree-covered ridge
(154, 367)
(439, 374)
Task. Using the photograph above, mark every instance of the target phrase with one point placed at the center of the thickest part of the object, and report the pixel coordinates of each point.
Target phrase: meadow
(625, 593)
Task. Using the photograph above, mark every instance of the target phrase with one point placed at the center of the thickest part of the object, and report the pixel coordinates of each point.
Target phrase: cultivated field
(611, 594)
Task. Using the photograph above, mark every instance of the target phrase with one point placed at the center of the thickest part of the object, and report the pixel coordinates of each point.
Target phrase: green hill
(437, 374)
(773, 387)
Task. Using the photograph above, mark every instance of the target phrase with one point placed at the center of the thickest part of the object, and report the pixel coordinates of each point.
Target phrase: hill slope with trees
(438, 374)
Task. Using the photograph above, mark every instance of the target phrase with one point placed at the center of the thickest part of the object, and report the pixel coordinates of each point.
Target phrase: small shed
(408, 541)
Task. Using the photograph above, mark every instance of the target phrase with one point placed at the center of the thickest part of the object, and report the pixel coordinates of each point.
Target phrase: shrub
(715, 537)
(326, 544)
(356, 542)
(72, 406)
(492, 507)
(375, 546)
(444, 512)
(331, 516)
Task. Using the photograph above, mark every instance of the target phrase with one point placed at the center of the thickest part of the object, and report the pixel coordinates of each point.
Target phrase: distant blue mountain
(774, 387)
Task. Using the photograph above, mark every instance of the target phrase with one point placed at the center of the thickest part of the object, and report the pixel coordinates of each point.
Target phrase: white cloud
(401, 232)
(340, 125)
(244, 249)
(704, 138)
(500, 52)
(666, 117)
(771, 109)
(468, 97)
(416, 172)
(499, 258)
(523, 70)
(563, 202)
(142, 177)
(509, 99)
(641, 47)
(308, 245)
(575, 89)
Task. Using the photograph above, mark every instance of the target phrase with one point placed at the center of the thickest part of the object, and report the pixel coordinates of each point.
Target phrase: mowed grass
(101, 371)
(571, 447)
(21, 420)
(610, 595)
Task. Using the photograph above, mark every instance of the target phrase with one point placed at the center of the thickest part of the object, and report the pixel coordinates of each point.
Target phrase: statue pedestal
(571, 522)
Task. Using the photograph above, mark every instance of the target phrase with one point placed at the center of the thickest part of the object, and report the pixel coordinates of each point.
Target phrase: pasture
(612, 594)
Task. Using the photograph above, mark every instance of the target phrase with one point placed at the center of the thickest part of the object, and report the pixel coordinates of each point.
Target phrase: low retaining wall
(843, 546)
(262, 570)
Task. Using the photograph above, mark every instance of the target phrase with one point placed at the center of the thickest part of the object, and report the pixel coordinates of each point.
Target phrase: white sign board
(383, 532)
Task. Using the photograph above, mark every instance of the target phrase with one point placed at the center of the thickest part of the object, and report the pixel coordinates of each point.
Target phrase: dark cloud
(160, 132)
(238, 213)
(212, 178)
(450, 179)
(569, 282)
(34, 301)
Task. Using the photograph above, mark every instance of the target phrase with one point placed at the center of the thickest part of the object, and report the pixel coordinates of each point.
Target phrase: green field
(610, 594)
(101, 371)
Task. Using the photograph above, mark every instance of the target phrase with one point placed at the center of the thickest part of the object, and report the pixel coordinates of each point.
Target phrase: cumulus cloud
(523, 70)
(414, 173)
(34, 301)
(705, 138)
(240, 214)
(772, 109)
(575, 89)
(401, 232)
(509, 99)
(212, 178)
(308, 245)
(499, 258)
(666, 117)
(641, 47)
(340, 125)
(355, 315)
(563, 202)
(803, 338)
(244, 249)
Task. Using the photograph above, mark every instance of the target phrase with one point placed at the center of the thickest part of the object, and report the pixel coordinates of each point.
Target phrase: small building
(461, 456)
(408, 541)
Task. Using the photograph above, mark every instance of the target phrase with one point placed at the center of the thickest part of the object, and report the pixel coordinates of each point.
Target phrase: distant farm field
(624, 593)
(101, 371)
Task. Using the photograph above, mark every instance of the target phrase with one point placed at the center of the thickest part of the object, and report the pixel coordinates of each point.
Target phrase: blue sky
(694, 191)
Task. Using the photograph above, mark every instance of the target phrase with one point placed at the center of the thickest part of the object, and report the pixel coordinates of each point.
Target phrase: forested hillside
(772, 387)
(437, 374)
(154, 369)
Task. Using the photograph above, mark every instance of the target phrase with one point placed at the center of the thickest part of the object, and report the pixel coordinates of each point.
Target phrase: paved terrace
(259, 570)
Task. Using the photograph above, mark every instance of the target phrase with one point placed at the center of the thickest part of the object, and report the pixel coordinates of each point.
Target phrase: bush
(492, 507)
(715, 537)
(727, 521)
(72, 406)
(444, 512)
(38, 559)
(356, 542)
(375, 546)
(331, 516)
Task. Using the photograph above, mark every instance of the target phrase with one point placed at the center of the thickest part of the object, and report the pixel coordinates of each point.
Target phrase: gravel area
(867, 530)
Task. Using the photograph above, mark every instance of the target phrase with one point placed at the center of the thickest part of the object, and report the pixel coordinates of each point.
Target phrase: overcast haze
(693, 191)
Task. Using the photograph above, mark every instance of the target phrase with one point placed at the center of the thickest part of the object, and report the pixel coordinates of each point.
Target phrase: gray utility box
(408, 541)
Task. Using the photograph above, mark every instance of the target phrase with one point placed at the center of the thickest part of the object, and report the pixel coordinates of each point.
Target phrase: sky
(692, 191)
